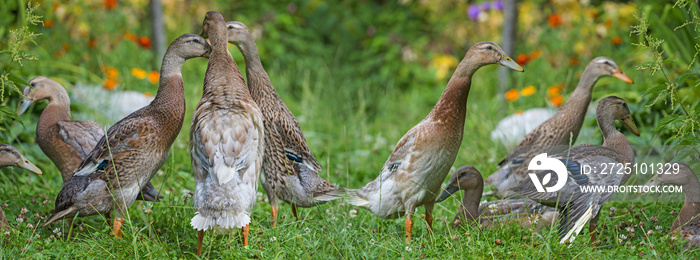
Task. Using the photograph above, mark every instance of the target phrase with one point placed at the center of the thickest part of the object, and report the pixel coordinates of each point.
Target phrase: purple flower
(485, 6)
(473, 11)
(498, 5)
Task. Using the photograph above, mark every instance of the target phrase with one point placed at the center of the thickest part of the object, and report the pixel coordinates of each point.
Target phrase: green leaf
(664, 122)
(670, 60)
(683, 77)
(7, 111)
(20, 82)
(5, 51)
(655, 90)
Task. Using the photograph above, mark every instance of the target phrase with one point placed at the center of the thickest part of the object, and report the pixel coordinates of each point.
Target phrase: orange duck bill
(622, 76)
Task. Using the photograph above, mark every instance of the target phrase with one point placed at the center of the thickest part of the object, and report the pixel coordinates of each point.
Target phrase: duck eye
(33, 84)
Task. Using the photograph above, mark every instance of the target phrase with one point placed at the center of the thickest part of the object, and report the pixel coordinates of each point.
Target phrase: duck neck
(615, 140)
(577, 104)
(221, 69)
(690, 213)
(469, 210)
(258, 80)
(170, 85)
(56, 111)
(452, 105)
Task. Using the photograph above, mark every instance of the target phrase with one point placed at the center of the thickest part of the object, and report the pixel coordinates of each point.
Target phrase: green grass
(351, 125)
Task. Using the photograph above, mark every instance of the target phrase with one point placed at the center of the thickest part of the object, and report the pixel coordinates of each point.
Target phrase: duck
(66, 142)
(687, 223)
(555, 134)
(134, 148)
(10, 156)
(412, 175)
(226, 143)
(290, 170)
(583, 166)
(525, 212)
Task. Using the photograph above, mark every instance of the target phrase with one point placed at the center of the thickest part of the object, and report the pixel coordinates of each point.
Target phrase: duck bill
(629, 124)
(654, 182)
(23, 105)
(27, 165)
(622, 76)
(510, 63)
(449, 190)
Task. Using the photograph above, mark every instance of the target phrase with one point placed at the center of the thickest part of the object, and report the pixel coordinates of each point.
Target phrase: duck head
(41, 88)
(466, 178)
(9, 156)
(604, 66)
(190, 46)
(485, 53)
(680, 174)
(615, 107)
(237, 32)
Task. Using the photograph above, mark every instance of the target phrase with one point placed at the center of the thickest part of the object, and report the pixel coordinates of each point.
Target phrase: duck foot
(200, 236)
(245, 235)
(409, 226)
(275, 210)
(117, 227)
(429, 219)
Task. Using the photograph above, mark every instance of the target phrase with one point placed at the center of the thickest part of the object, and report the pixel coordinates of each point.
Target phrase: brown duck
(578, 208)
(415, 170)
(226, 143)
(134, 148)
(525, 212)
(290, 170)
(66, 142)
(555, 134)
(10, 156)
(687, 224)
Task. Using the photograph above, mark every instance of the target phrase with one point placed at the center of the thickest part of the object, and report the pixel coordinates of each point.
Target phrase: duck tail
(225, 220)
(331, 195)
(354, 198)
(580, 211)
(58, 215)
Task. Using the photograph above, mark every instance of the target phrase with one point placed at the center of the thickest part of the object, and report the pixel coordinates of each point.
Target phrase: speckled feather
(290, 169)
(226, 141)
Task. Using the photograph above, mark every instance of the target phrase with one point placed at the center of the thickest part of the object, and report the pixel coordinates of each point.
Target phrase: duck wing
(82, 136)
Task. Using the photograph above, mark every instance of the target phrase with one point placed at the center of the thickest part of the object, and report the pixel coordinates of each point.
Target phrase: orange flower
(57, 54)
(66, 47)
(522, 59)
(55, 6)
(535, 54)
(92, 43)
(110, 84)
(617, 40)
(110, 4)
(512, 95)
(138, 73)
(148, 94)
(111, 72)
(556, 100)
(573, 61)
(153, 77)
(554, 20)
(518, 112)
(553, 90)
(527, 91)
(48, 23)
(608, 23)
(145, 42)
(130, 36)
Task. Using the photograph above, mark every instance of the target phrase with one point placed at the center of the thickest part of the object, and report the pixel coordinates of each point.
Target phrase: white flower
(658, 227)
(56, 230)
(19, 220)
(371, 241)
(650, 232)
(30, 226)
(329, 212)
(186, 193)
(408, 249)
(493, 208)
(307, 230)
(24, 210)
(622, 236)
(352, 213)
(147, 208)
(349, 225)
(273, 239)
(630, 229)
